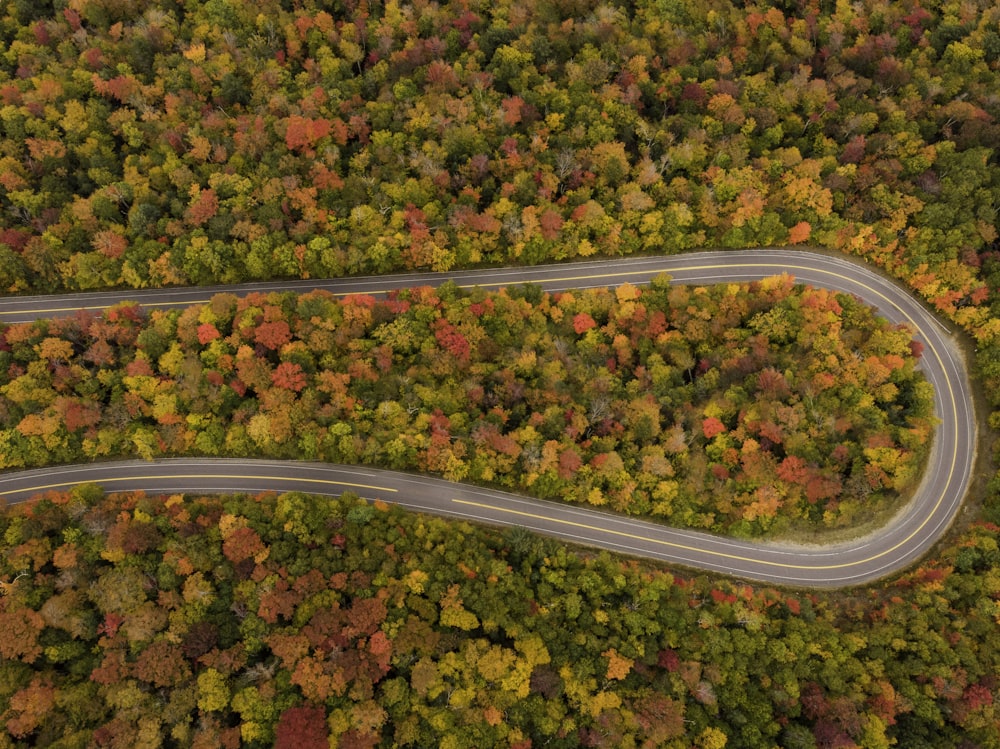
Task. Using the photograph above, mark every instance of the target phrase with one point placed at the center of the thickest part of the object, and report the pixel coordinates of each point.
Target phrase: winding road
(902, 541)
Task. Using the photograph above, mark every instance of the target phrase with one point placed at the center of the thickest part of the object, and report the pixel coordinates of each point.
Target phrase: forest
(742, 409)
(304, 622)
(226, 140)
(167, 142)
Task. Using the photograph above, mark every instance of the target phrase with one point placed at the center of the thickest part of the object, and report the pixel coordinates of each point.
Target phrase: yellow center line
(113, 479)
(937, 505)
(623, 534)
(783, 267)
(499, 282)
(617, 274)
(660, 541)
(51, 310)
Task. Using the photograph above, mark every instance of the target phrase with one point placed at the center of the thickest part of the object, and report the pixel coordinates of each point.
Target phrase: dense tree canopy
(287, 620)
(743, 408)
(166, 142)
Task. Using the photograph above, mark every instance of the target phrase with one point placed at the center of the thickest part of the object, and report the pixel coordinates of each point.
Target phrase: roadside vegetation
(206, 142)
(746, 409)
(166, 142)
(302, 623)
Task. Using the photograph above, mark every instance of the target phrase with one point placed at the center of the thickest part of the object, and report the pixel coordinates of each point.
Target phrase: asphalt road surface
(902, 541)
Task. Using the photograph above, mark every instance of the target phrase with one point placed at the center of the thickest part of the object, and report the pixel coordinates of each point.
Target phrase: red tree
(583, 322)
(207, 333)
(290, 376)
(273, 335)
(711, 427)
(302, 728)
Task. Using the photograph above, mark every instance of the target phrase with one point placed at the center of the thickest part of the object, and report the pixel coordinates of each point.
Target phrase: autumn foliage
(146, 146)
(298, 621)
(748, 408)
(158, 143)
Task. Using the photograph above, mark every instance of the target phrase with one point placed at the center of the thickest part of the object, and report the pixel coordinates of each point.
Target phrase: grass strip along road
(901, 542)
